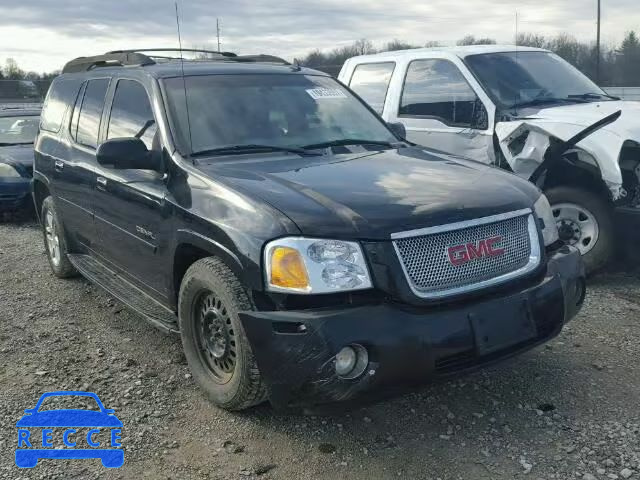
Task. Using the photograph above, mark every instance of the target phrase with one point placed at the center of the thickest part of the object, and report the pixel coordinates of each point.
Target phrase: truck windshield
(529, 78)
(280, 110)
(19, 129)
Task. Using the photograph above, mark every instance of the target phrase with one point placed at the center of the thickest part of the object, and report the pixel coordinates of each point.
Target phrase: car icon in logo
(69, 425)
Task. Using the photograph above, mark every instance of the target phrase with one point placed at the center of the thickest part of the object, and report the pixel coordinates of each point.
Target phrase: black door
(130, 208)
(74, 171)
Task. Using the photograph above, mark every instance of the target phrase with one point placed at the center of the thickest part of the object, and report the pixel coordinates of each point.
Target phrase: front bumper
(409, 346)
(627, 221)
(15, 194)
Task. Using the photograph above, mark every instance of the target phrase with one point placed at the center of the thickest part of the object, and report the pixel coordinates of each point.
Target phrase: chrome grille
(431, 273)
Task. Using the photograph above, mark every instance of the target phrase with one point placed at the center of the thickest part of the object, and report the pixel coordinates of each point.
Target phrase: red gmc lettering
(461, 254)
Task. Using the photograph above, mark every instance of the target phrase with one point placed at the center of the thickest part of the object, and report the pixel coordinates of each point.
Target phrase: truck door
(130, 210)
(440, 110)
(74, 172)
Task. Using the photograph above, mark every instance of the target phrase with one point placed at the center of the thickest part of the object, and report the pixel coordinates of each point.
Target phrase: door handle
(102, 182)
(58, 165)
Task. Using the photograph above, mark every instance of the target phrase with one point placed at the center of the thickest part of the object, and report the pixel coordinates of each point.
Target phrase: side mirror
(398, 128)
(125, 154)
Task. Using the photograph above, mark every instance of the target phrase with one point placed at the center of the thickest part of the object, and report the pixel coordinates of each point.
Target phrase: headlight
(309, 266)
(7, 170)
(547, 220)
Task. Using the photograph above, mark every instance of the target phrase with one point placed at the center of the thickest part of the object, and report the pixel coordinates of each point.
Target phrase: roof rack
(119, 59)
(144, 56)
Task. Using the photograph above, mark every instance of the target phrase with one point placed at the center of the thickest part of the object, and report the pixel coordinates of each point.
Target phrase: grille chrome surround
(423, 254)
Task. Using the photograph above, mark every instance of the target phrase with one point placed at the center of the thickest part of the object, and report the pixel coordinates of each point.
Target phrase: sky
(41, 35)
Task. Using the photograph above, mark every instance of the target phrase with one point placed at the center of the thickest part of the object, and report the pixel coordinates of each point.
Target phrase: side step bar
(134, 298)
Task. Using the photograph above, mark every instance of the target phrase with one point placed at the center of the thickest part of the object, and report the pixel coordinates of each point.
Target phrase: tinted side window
(371, 82)
(73, 125)
(131, 114)
(61, 94)
(437, 89)
(91, 111)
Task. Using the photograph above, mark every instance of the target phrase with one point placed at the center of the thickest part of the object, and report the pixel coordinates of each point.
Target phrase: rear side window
(131, 114)
(437, 89)
(371, 82)
(88, 120)
(61, 94)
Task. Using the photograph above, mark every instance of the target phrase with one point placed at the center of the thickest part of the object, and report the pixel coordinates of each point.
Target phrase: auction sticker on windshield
(322, 93)
(85, 430)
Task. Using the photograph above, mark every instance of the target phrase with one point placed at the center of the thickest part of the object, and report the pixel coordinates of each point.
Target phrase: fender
(193, 238)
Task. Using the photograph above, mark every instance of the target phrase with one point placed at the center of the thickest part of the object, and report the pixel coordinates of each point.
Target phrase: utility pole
(218, 31)
(598, 48)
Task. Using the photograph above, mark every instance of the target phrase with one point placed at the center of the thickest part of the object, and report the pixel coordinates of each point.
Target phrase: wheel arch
(573, 172)
(40, 191)
(191, 247)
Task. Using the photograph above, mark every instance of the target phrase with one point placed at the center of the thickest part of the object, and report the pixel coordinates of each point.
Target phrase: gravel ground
(568, 410)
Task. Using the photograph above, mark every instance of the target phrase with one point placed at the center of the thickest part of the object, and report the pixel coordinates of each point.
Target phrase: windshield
(514, 79)
(18, 129)
(291, 111)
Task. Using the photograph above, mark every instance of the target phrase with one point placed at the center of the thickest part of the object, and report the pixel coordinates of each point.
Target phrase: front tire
(55, 241)
(584, 220)
(213, 338)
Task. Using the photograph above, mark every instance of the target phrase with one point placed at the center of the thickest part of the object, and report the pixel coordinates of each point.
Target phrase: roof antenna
(184, 83)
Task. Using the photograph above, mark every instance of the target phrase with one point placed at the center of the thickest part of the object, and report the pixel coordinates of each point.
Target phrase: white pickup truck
(525, 110)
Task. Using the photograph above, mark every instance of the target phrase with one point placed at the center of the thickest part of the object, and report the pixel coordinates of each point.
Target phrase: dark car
(305, 252)
(18, 129)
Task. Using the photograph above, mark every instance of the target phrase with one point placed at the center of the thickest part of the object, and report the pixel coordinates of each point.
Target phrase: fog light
(351, 361)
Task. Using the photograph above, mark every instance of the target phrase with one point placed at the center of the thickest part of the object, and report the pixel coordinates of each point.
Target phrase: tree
(396, 44)
(628, 61)
(531, 40)
(472, 40)
(12, 71)
(364, 47)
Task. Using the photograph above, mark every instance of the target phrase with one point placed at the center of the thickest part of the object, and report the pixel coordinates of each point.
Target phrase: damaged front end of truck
(604, 156)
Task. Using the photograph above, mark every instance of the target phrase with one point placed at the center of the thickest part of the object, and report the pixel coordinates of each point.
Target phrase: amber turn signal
(287, 269)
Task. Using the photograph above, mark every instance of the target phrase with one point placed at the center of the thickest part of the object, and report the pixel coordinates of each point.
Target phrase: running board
(134, 298)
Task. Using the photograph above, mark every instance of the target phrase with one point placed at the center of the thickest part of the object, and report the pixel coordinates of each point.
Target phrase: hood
(69, 418)
(21, 155)
(374, 194)
(564, 122)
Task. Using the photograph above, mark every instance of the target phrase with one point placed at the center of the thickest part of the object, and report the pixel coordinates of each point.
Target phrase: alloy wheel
(53, 240)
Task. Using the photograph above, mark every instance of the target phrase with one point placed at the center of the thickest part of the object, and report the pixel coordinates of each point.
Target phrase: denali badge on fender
(304, 252)
(461, 254)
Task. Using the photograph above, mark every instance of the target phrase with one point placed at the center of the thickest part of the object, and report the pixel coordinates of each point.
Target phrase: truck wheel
(213, 338)
(585, 221)
(54, 241)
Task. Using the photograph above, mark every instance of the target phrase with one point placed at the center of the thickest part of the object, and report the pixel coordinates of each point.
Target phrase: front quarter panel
(230, 224)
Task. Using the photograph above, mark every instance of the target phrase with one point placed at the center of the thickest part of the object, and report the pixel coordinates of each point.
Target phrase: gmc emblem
(461, 254)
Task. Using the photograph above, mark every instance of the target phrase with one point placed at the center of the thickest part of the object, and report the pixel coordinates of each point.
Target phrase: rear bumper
(409, 346)
(15, 194)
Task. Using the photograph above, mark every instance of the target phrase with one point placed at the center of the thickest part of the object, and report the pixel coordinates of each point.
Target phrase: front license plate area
(502, 326)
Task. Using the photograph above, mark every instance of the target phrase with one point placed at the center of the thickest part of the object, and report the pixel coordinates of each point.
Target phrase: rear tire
(585, 220)
(54, 241)
(213, 339)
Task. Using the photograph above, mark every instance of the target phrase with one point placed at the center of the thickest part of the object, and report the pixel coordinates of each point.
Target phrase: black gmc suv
(305, 252)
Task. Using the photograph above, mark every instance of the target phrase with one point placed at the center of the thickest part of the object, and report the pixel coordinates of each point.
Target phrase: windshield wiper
(548, 100)
(238, 149)
(593, 95)
(347, 141)
(9, 144)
